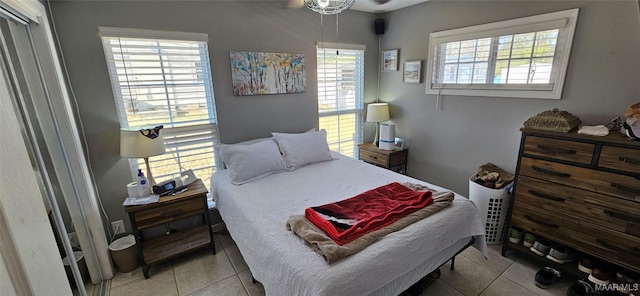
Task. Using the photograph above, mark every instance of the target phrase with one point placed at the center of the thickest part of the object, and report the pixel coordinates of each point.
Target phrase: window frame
(564, 20)
(173, 130)
(358, 111)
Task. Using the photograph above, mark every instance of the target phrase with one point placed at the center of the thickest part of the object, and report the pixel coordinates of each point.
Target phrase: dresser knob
(550, 172)
(628, 217)
(626, 188)
(633, 251)
(554, 150)
(543, 223)
(546, 196)
(628, 160)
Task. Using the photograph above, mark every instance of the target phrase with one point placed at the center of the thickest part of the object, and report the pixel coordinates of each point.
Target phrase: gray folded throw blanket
(332, 252)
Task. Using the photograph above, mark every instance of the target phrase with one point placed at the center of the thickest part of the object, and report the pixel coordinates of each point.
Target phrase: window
(164, 78)
(524, 57)
(340, 96)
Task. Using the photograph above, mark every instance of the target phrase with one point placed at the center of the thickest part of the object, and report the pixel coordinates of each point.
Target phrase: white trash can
(124, 253)
(493, 205)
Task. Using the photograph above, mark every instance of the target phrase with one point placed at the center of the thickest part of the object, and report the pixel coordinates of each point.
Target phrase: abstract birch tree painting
(261, 73)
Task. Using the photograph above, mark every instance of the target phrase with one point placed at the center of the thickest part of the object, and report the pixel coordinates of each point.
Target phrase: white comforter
(255, 214)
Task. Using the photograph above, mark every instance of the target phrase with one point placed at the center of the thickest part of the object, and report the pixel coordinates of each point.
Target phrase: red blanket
(349, 219)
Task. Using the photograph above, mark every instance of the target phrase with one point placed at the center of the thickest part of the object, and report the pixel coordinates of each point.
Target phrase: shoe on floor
(515, 235)
(547, 276)
(602, 273)
(624, 281)
(529, 239)
(582, 288)
(541, 247)
(561, 254)
(585, 264)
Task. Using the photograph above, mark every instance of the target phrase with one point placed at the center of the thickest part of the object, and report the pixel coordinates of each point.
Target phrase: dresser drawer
(602, 182)
(624, 159)
(559, 149)
(617, 247)
(608, 211)
(169, 212)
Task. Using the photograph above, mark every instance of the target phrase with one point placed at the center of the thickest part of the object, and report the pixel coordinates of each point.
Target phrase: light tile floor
(226, 273)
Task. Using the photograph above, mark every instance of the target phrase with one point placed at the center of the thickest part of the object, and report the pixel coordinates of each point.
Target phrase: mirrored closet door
(47, 131)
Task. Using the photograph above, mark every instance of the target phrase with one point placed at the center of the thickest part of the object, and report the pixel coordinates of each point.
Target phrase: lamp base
(375, 138)
(149, 176)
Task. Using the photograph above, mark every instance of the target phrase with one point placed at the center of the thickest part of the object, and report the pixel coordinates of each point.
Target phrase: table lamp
(377, 112)
(142, 143)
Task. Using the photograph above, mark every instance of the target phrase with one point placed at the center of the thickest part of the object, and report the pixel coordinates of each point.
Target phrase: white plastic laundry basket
(493, 205)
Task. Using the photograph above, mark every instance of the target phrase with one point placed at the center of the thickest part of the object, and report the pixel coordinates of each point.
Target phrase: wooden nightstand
(170, 208)
(395, 160)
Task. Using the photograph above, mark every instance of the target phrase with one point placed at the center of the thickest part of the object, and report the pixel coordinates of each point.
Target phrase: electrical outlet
(117, 227)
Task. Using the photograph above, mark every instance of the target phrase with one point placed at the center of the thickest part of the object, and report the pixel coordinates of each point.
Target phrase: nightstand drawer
(559, 149)
(373, 157)
(169, 212)
(623, 159)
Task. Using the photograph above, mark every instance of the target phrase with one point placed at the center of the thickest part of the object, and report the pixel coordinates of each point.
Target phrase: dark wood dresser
(580, 191)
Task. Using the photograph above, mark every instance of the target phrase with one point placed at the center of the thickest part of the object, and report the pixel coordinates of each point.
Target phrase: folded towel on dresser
(594, 130)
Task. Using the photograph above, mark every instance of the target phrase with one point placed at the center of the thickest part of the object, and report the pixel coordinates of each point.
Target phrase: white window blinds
(340, 96)
(186, 148)
(524, 57)
(164, 78)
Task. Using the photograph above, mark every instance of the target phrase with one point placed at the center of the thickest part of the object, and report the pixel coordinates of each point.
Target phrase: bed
(255, 214)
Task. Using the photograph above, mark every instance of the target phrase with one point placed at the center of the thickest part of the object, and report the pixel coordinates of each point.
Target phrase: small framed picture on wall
(390, 60)
(411, 71)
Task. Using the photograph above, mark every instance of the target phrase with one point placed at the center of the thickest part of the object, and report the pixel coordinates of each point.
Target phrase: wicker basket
(553, 120)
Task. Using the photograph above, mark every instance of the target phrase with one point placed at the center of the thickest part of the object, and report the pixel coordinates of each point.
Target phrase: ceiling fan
(295, 4)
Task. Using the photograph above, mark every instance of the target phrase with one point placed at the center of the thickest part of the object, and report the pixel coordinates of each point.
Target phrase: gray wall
(243, 26)
(448, 145)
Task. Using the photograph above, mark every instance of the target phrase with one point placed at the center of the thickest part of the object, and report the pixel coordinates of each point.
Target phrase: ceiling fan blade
(294, 4)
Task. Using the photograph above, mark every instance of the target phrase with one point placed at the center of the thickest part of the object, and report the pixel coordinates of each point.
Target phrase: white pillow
(253, 141)
(217, 147)
(253, 161)
(303, 149)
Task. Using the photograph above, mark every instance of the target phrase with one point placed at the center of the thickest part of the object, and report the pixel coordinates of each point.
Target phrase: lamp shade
(134, 144)
(377, 112)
